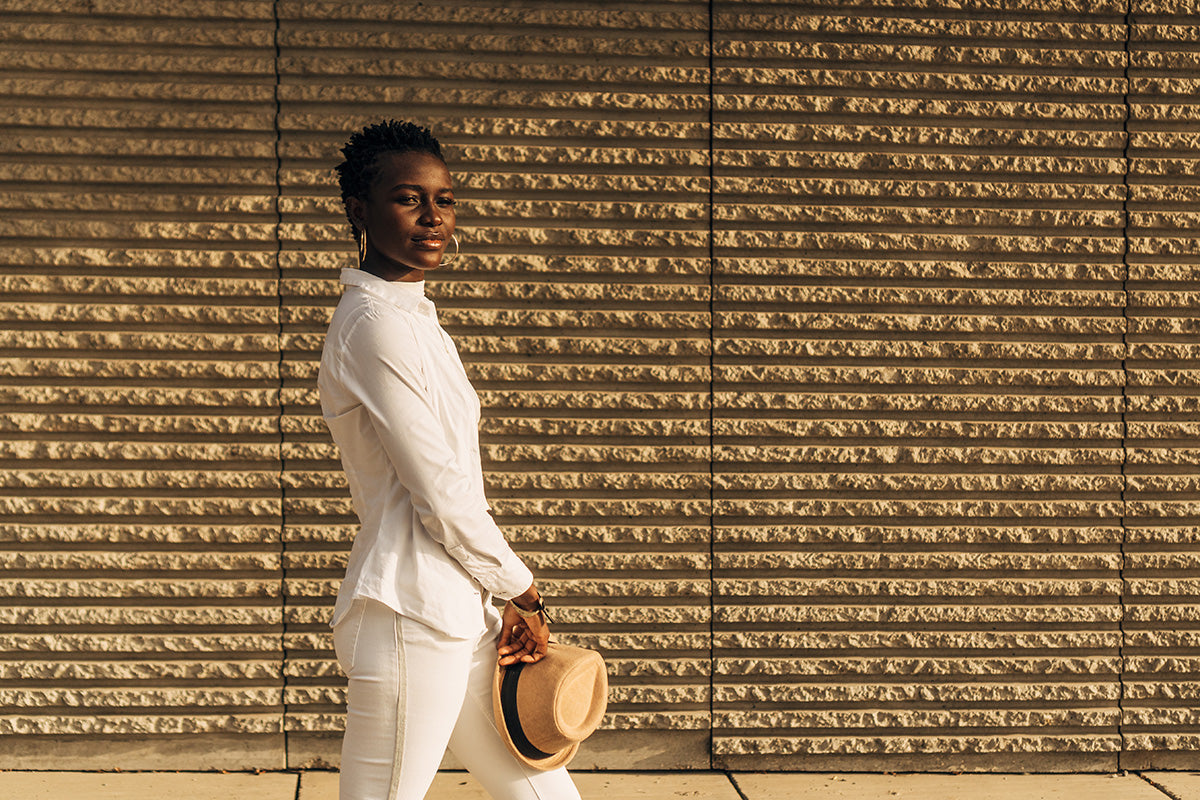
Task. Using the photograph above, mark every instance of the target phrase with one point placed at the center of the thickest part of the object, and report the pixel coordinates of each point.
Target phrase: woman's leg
(406, 690)
(477, 744)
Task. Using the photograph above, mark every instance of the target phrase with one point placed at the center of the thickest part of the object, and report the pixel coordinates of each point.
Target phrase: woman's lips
(429, 242)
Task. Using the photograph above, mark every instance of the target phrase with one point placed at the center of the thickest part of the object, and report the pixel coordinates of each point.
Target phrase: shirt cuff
(507, 580)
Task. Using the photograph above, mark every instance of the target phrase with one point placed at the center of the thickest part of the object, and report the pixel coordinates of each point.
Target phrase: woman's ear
(356, 209)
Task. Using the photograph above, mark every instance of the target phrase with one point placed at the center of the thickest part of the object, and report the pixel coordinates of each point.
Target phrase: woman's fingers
(520, 644)
(535, 642)
(519, 641)
(522, 654)
(510, 631)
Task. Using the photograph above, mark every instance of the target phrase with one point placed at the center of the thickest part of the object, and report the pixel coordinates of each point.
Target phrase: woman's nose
(431, 215)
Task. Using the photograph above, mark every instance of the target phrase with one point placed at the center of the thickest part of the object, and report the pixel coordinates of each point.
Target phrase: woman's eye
(446, 201)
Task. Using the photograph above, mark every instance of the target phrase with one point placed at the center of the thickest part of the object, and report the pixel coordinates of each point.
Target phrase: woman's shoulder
(361, 313)
(372, 329)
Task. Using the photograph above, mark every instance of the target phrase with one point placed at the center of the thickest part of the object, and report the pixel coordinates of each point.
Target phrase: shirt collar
(408, 295)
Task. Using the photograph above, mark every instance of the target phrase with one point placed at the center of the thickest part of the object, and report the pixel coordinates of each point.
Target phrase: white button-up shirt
(406, 420)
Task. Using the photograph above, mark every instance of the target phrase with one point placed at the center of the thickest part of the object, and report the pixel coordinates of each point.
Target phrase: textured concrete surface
(146, 786)
(617, 786)
(606, 785)
(1179, 785)
(320, 786)
(775, 786)
(840, 369)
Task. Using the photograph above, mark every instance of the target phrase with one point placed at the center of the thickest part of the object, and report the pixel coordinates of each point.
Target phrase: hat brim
(507, 732)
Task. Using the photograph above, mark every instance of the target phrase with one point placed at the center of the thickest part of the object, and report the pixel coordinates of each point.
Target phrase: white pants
(415, 692)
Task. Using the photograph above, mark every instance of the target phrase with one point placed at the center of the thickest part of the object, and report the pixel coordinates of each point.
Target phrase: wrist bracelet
(538, 610)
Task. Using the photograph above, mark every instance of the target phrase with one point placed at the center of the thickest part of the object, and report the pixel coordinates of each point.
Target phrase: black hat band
(512, 720)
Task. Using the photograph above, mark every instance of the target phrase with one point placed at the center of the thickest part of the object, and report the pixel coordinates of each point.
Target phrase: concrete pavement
(618, 786)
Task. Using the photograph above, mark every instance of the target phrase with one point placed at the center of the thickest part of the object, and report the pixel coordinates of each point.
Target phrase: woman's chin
(424, 261)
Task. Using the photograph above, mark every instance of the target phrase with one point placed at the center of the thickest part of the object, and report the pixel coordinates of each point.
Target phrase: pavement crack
(1160, 787)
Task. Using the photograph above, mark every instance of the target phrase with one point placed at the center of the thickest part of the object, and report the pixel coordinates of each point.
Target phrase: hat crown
(562, 702)
(575, 713)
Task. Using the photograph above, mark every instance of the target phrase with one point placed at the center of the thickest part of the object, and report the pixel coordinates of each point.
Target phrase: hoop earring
(454, 239)
(362, 246)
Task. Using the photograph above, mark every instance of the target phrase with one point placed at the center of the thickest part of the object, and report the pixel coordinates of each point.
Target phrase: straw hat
(544, 710)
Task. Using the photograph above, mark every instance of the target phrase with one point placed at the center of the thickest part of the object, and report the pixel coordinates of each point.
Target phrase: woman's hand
(522, 638)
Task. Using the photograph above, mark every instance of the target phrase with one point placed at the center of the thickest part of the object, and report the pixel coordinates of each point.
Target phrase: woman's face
(408, 216)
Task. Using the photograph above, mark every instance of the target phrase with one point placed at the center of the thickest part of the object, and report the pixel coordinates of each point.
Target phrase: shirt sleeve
(383, 366)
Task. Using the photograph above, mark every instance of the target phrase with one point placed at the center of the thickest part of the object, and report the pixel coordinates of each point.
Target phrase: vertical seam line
(712, 341)
(712, 404)
(278, 234)
(1121, 665)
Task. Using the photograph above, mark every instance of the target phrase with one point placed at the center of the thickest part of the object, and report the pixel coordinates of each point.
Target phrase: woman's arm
(380, 365)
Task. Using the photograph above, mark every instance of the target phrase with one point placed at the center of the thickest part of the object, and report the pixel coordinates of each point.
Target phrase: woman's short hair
(362, 151)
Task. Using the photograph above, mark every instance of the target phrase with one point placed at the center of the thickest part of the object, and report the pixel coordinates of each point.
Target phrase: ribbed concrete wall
(140, 556)
(837, 366)
(1162, 516)
(918, 386)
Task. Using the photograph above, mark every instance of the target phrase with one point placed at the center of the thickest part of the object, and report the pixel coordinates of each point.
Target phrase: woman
(413, 625)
